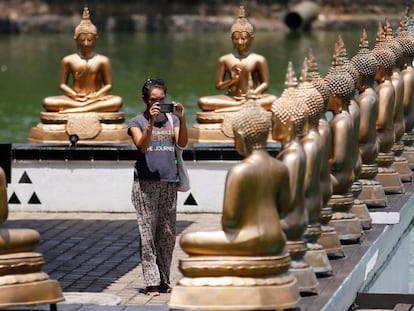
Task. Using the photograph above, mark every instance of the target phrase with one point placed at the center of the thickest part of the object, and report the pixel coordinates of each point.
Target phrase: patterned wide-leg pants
(155, 203)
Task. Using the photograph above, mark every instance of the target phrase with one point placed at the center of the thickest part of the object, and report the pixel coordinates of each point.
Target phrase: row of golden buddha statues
(285, 217)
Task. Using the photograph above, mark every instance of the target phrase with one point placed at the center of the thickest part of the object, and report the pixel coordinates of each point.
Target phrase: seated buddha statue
(359, 208)
(248, 254)
(365, 62)
(234, 70)
(341, 87)
(312, 143)
(401, 164)
(91, 74)
(289, 116)
(21, 280)
(387, 175)
(85, 113)
(256, 195)
(405, 38)
(329, 237)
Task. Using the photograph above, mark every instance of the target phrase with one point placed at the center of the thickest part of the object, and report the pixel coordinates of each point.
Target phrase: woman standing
(154, 192)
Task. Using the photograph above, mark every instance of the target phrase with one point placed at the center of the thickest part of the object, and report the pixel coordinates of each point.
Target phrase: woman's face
(156, 95)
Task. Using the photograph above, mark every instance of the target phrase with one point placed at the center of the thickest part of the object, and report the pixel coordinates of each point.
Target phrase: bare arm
(263, 70)
(339, 149)
(284, 193)
(140, 138)
(106, 78)
(180, 133)
(64, 78)
(221, 72)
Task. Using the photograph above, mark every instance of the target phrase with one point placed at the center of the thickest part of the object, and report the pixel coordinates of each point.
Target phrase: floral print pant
(155, 203)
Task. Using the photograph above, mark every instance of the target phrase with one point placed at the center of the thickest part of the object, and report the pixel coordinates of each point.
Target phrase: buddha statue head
(289, 112)
(341, 86)
(242, 24)
(405, 38)
(365, 62)
(312, 98)
(249, 127)
(392, 43)
(317, 81)
(346, 63)
(383, 54)
(85, 25)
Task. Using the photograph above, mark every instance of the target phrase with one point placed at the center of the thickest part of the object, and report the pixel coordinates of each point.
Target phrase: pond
(30, 64)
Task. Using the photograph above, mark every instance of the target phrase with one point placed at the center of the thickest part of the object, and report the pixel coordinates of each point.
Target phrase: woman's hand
(179, 110)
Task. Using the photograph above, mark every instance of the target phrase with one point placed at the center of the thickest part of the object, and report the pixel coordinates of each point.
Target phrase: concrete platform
(98, 253)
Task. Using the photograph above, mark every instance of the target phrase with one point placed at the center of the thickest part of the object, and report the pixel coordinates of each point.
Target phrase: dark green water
(30, 64)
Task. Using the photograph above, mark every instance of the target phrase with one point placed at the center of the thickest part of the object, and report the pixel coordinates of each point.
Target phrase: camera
(167, 108)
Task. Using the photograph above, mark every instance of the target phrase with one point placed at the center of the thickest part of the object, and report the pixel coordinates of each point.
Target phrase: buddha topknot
(290, 105)
(404, 37)
(393, 44)
(364, 61)
(382, 52)
(312, 98)
(347, 64)
(85, 25)
(242, 23)
(315, 78)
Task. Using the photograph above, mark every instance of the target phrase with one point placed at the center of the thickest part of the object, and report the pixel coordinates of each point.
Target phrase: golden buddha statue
(387, 175)
(359, 208)
(233, 73)
(401, 164)
(245, 231)
(312, 143)
(405, 38)
(289, 115)
(235, 69)
(21, 280)
(91, 74)
(328, 238)
(86, 108)
(245, 263)
(342, 162)
(365, 62)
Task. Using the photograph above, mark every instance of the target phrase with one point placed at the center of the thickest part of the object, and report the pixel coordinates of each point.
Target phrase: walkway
(96, 255)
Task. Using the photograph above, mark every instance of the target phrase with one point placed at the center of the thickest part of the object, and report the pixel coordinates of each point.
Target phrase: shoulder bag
(183, 178)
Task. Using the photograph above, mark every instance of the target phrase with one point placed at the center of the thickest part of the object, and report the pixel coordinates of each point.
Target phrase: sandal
(164, 288)
(152, 291)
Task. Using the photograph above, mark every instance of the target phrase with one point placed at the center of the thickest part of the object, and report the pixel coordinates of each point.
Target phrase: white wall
(105, 186)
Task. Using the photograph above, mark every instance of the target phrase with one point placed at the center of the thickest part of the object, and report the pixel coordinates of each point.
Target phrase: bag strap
(169, 117)
(172, 125)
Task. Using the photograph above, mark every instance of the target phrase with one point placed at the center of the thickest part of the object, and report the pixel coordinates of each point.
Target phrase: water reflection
(29, 67)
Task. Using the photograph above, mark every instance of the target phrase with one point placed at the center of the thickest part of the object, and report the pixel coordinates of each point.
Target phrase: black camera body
(167, 107)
